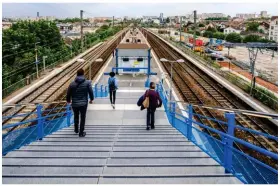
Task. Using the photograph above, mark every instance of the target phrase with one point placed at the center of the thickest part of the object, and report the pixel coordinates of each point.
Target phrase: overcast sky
(131, 9)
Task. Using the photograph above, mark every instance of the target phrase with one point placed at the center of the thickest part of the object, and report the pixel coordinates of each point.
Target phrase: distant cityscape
(268, 24)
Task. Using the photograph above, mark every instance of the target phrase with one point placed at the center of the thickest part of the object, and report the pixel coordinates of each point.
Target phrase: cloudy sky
(131, 9)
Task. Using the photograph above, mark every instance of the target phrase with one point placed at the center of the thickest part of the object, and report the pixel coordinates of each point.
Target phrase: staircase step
(202, 170)
(194, 179)
(51, 170)
(162, 161)
(53, 161)
(49, 180)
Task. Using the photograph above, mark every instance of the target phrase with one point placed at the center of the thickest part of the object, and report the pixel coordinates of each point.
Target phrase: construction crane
(253, 48)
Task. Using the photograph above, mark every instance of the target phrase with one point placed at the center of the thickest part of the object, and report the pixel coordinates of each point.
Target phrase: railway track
(196, 87)
(95, 69)
(53, 89)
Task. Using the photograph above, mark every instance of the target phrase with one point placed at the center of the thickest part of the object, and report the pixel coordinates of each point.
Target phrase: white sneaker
(113, 106)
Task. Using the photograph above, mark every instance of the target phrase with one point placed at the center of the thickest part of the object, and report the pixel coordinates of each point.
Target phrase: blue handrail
(34, 132)
(227, 155)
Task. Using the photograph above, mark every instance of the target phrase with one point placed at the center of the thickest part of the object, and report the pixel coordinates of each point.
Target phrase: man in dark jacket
(154, 102)
(78, 91)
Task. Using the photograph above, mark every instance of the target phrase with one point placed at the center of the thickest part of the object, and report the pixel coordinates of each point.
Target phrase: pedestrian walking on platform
(78, 92)
(113, 86)
(154, 102)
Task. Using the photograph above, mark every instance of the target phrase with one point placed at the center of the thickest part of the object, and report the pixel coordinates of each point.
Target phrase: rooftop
(133, 46)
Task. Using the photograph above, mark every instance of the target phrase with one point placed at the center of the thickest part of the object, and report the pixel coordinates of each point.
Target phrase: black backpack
(112, 86)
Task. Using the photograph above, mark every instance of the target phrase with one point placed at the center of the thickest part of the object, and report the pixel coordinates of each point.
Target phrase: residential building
(99, 19)
(229, 30)
(264, 26)
(208, 15)
(64, 28)
(146, 19)
(273, 29)
(48, 18)
(156, 21)
(161, 18)
(6, 25)
(247, 16)
(263, 14)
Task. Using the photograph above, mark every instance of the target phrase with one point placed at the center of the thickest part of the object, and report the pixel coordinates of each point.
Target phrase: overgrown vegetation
(19, 48)
(70, 20)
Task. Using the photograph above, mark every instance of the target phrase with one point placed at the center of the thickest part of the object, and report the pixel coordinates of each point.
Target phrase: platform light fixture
(177, 61)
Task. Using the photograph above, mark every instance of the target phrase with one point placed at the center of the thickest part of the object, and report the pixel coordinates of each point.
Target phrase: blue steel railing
(243, 166)
(37, 127)
(101, 91)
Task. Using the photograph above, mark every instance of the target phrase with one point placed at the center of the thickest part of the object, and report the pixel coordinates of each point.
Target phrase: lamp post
(44, 62)
(36, 59)
(97, 60)
(171, 84)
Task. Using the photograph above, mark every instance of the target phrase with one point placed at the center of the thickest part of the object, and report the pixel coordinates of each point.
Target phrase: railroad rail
(57, 86)
(195, 87)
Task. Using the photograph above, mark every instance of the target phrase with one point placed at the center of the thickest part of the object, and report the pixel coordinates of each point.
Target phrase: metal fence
(244, 167)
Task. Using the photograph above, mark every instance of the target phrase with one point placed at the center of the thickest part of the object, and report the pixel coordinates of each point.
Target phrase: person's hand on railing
(91, 101)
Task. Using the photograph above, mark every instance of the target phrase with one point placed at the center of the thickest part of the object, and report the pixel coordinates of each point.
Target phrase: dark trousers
(112, 96)
(77, 112)
(150, 117)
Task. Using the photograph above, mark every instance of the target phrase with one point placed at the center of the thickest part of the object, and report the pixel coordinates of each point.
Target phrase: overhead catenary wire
(10, 74)
(34, 63)
(30, 64)
(27, 44)
(28, 50)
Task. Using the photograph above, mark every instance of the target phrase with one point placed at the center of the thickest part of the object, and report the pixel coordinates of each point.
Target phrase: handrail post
(95, 90)
(190, 121)
(166, 93)
(68, 109)
(173, 110)
(40, 127)
(157, 88)
(228, 143)
(106, 91)
(101, 91)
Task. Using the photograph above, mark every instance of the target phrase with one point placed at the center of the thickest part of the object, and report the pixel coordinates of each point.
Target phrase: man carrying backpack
(78, 92)
(113, 86)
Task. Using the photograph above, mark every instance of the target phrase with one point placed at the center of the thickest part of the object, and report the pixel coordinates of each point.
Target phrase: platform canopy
(133, 46)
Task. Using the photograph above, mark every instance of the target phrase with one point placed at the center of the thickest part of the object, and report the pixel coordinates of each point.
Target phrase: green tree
(233, 38)
(251, 38)
(197, 33)
(219, 35)
(208, 34)
(261, 31)
(252, 26)
(201, 25)
(19, 47)
(211, 29)
(167, 20)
